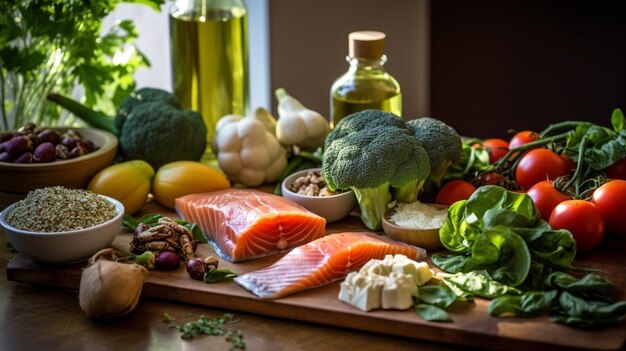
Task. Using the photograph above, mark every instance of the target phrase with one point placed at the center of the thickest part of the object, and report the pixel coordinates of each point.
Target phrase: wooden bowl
(16, 180)
(424, 238)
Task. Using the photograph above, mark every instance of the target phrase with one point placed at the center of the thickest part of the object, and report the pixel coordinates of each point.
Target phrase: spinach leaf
(556, 248)
(527, 305)
(617, 120)
(450, 264)
(590, 283)
(478, 283)
(438, 295)
(503, 254)
(603, 147)
(579, 312)
(452, 232)
(432, 313)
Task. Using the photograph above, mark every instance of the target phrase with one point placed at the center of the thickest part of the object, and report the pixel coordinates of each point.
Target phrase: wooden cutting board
(472, 325)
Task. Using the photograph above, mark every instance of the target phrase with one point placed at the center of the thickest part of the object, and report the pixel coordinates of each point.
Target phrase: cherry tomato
(617, 170)
(538, 165)
(489, 178)
(610, 199)
(569, 161)
(497, 148)
(546, 197)
(454, 191)
(523, 137)
(582, 219)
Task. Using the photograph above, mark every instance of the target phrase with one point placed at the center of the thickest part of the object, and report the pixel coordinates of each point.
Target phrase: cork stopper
(366, 44)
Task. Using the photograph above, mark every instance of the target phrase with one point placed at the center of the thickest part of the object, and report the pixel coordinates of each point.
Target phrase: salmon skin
(244, 224)
(321, 262)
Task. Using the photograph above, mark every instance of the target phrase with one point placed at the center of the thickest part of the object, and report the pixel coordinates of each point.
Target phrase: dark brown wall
(497, 65)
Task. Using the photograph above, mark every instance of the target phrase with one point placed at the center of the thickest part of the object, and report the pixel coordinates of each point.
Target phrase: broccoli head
(441, 142)
(154, 128)
(375, 155)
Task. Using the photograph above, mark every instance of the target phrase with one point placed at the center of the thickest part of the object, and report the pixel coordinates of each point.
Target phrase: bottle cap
(366, 44)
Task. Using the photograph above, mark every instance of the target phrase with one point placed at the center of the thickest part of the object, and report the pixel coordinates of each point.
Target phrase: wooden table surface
(43, 317)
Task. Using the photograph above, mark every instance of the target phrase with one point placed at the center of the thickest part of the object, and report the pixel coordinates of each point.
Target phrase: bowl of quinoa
(61, 225)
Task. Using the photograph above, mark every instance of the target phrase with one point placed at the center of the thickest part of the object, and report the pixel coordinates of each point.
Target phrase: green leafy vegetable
(579, 312)
(438, 295)
(214, 326)
(478, 283)
(218, 275)
(527, 305)
(56, 44)
(432, 313)
(130, 224)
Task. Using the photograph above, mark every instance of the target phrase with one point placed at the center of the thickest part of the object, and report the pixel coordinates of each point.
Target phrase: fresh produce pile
(30, 144)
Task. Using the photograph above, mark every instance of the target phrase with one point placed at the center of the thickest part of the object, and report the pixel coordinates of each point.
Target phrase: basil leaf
(432, 313)
(218, 275)
(194, 229)
(438, 295)
(526, 305)
(478, 283)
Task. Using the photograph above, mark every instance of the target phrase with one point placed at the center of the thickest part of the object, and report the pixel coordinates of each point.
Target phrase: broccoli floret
(153, 128)
(441, 142)
(375, 155)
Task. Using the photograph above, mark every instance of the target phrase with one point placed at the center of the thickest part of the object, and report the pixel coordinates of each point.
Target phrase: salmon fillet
(243, 224)
(321, 262)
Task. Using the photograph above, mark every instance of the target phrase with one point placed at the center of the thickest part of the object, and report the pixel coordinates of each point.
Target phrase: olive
(26, 157)
(50, 135)
(87, 144)
(17, 145)
(4, 157)
(167, 261)
(196, 268)
(45, 152)
(78, 151)
(68, 142)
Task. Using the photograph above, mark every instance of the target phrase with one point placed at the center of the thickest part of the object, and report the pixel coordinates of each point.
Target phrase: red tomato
(489, 178)
(546, 197)
(569, 161)
(617, 170)
(582, 219)
(610, 199)
(497, 148)
(523, 137)
(454, 191)
(538, 165)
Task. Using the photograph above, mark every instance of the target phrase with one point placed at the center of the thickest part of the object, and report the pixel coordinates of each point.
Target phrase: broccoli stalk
(373, 203)
(408, 192)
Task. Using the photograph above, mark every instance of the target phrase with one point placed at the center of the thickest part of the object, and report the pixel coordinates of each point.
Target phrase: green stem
(562, 125)
(579, 166)
(519, 151)
(5, 119)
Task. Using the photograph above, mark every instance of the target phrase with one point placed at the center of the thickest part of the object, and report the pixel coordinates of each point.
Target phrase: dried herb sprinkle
(58, 209)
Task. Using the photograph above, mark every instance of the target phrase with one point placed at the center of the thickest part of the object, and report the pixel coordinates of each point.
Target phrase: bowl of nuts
(308, 189)
(33, 157)
(62, 225)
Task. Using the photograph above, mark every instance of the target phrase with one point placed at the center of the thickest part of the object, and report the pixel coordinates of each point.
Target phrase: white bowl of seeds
(61, 225)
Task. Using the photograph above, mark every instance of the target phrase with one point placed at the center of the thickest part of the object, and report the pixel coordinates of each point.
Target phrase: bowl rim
(110, 142)
(387, 217)
(118, 206)
(294, 175)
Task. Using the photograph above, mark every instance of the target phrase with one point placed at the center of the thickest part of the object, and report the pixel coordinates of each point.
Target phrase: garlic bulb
(109, 288)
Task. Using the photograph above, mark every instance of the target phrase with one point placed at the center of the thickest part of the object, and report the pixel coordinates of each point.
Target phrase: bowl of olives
(34, 157)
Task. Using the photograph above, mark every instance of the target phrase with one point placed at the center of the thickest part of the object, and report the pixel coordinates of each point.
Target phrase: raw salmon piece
(321, 262)
(243, 224)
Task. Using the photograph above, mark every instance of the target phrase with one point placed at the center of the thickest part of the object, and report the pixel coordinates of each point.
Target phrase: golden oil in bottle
(209, 51)
(366, 85)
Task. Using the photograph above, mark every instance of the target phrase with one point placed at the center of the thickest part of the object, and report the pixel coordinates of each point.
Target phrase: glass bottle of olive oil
(366, 85)
(209, 51)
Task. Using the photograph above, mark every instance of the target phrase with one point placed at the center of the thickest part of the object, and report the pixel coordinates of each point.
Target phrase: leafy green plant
(57, 45)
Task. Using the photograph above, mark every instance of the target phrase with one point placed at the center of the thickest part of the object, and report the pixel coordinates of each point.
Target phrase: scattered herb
(130, 224)
(218, 275)
(214, 326)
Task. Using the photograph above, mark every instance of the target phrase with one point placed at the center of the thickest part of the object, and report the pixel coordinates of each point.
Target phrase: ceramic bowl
(64, 247)
(16, 180)
(333, 208)
(427, 238)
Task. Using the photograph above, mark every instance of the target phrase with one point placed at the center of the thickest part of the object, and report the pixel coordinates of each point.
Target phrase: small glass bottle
(366, 85)
(209, 50)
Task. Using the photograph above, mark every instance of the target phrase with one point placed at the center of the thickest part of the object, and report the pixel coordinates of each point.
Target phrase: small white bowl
(332, 208)
(64, 247)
